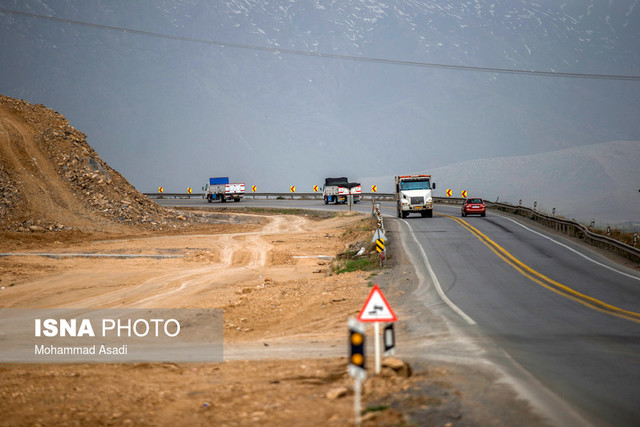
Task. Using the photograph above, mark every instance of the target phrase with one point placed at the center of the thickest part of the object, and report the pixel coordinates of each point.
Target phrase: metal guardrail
(256, 195)
(568, 227)
(174, 195)
(571, 228)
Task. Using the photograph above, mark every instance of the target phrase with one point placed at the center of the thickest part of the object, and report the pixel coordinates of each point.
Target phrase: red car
(473, 206)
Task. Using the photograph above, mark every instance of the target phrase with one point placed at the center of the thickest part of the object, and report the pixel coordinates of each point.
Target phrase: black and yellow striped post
(381, 250)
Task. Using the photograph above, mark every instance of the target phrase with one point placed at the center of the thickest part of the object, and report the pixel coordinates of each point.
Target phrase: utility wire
(330, 55)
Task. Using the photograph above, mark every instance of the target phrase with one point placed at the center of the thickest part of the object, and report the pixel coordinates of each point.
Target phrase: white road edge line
(571, 249)
(436, 283)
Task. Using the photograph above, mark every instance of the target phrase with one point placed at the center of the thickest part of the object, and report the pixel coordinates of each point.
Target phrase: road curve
(587, 356)
(531, 299)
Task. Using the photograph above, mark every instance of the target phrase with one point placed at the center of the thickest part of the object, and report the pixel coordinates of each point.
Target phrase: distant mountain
(597, 182)
(169, 105)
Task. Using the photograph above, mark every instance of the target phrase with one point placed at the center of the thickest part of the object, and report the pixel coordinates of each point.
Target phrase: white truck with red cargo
(413, 194)
(220, 188)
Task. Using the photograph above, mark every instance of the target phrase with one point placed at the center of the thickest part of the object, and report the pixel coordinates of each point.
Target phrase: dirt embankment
(51, 179)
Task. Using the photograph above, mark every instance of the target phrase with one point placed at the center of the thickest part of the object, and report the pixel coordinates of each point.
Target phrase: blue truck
(219, 188)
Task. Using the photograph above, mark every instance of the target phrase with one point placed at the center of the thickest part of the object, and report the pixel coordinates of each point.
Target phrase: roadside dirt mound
(51, 179)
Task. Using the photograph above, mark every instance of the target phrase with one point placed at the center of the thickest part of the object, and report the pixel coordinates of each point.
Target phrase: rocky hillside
(51, 179)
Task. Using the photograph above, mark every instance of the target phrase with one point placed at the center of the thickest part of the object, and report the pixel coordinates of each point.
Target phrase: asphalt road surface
(557, 308)
(560, 310)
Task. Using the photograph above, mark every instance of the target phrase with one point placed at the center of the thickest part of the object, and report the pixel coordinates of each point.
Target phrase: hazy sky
(198, 88)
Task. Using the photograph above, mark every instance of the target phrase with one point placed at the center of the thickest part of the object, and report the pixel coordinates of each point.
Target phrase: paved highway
(561, 311)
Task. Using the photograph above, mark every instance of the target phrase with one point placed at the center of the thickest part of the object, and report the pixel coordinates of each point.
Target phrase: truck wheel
(326, 201)
(429, 214)
(237, 199)
(209, 199)
(405, 214)
(222, 199)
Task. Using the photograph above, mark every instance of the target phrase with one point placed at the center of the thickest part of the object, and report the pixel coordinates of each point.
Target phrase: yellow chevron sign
(293, 188)
(315, 188)
(374, 188)
(448, 192)
(464, 193)
(189, 190)
(380, 245)
(254, 188)
(160, 189)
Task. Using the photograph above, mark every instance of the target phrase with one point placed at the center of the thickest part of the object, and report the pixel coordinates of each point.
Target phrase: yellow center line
(545, 281)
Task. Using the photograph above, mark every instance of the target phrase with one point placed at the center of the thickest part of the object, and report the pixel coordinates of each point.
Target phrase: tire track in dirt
(242, 254)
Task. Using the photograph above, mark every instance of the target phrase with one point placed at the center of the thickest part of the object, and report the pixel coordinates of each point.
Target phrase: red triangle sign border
(376, 289)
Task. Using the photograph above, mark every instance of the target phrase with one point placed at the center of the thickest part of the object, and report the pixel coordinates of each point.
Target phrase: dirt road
(275, 306)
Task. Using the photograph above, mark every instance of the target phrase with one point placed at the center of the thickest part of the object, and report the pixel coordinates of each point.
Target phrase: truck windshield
(415, 185)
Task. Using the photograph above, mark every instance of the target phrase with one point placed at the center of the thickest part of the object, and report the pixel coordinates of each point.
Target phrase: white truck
(220, 188)
(337, 190)
(413, 194)
(356, 191)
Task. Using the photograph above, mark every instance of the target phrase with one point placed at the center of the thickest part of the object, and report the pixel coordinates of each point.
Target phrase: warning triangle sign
(377, 309)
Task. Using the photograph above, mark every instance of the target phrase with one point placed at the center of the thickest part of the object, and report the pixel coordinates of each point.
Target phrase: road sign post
(376, 309)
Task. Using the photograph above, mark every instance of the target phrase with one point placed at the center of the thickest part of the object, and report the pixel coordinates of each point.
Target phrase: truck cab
(413, 194)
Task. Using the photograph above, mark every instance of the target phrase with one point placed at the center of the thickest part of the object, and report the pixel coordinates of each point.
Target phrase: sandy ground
(275, 306)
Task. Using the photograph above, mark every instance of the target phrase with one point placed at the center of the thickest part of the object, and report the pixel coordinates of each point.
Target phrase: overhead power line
(330, 55)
